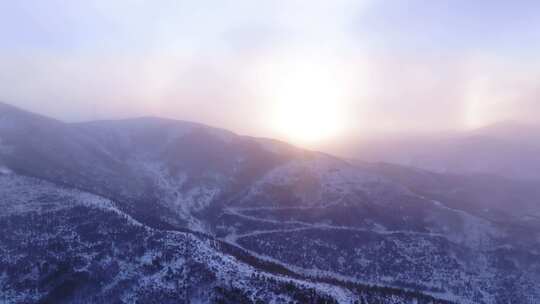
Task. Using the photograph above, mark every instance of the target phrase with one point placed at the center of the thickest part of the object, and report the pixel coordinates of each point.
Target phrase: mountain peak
(14, 117)
(509, 130)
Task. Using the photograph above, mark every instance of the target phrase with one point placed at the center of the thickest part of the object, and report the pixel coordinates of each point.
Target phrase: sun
(308, 100)
(307, 108)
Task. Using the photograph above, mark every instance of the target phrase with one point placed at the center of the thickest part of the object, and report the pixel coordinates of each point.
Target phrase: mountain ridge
(310, 213)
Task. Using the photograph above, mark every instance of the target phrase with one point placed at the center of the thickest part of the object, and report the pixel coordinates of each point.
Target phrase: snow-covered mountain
(505, 149)
(151, 210)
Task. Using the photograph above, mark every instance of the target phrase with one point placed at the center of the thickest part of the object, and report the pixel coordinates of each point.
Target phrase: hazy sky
(279, 68)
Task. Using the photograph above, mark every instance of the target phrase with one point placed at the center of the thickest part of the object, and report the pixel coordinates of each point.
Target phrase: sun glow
(309, 99)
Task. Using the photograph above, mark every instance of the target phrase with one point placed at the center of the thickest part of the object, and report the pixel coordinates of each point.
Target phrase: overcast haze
(253, 66)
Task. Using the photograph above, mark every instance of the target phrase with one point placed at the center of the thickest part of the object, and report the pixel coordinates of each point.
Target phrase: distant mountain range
(151, 210)
(507, 149)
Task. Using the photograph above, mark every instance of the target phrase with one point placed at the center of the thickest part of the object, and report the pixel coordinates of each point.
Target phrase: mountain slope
(79, 247)
(507, 149)
(276, 209)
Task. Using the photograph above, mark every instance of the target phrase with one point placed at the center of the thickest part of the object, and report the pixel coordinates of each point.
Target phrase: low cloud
(199, 62)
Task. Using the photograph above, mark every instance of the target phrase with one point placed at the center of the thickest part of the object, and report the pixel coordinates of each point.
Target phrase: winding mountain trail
(308, 226)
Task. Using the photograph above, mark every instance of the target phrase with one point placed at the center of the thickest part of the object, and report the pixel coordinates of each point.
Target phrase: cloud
(501, 89)
(202, 60)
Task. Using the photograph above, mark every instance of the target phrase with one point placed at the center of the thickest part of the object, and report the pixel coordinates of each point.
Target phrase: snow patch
(5, 170)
